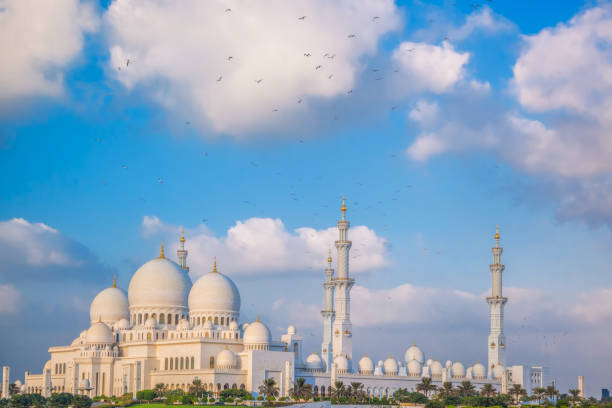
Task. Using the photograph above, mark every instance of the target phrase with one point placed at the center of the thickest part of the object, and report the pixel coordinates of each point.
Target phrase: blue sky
(474, 130)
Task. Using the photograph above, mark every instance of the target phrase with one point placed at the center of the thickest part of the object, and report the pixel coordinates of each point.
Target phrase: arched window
(206, 334)
(169, 318)
(154, 315)
(145, 317)
(216, 320)
(176, 318)
(192, 361)
(149, 336)
(235, 335)
(226, 386)
(242, 387)
(171, 363)
(176, 366)
(315, 390)
(182, 363)
(166, 363)
(131, 336)
(234, 386)
(212, 362)
(162, 318)
(139, 318)
(210, 318)
(222, 320)
(64, 368)
(322, 390)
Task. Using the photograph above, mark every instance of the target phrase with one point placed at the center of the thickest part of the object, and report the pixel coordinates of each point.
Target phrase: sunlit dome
(226, 359)
(159, 283)
(435, 368)
(214, 292)
(498, 371)
(314, 362)
(414, 353)
(341, 364)
(366, 365)
(100, 333)
(257, 333)
(390, 366)
(479, 371)
(110, 305)
(458, 370)
(414, 368)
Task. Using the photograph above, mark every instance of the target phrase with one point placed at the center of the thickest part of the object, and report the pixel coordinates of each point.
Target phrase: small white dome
(159, 283)
(498, 371)
(214, 292)
(291, 329)
(110, 305)
(182, 325)
(366, 365)
(414, 368)
(429, 361)
(233, 325)
(479, 371)
(150, 323)
(458, 370)
(341, 364)
(448, 364)
(100, 333)
(257, 333)
(207, 324)
(435, 368)
(414, 353)
(122, 324)
(226, 359)
(314, 362)
(390, 366)
(380, 363)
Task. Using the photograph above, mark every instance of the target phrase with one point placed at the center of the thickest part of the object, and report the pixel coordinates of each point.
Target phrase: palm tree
(488, 390)
(575, 395)
(538, 393)
(447, 389)
(196, 387)
(551, 392)
(160, 389)
(466, 389)
(338, 390)
(269, 388)
(356, 390)
(517, 392)
(301, 390)
(13, 389)
(425, 386)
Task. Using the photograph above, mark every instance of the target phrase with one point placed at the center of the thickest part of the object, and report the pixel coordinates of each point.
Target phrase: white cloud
(10, 299)
(38, 40)
(426, 67)
(35, 244)
(265, 40)
(425, 112)
(425, 146)
(594, 307)
(483, 20)
(265, 246)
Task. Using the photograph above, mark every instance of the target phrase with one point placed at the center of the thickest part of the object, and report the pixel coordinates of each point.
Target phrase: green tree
(338, 391)
(466, 389)
(447, 389)
(82, 401)
(551, 392)
(301, 390)
(145, 395)
(426, 386)
(196, 388)
(269, 388)
(574, 396)
(160, 389)
(13, 389)
(59, 400)
(538, 393)
(403, 395)
(516, 391)
(356, 391)
(488, 390)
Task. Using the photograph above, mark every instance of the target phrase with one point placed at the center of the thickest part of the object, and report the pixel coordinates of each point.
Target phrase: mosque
(168, 330)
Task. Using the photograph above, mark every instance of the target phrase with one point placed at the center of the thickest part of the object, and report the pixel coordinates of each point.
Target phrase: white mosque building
(168, 330)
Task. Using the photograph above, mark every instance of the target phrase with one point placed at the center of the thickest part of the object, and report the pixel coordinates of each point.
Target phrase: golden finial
(497, 232)
(414, 344)
(161, 251)
(343, 208)
(182, 234)
(215, 265)
(329, 258)
(257, 319)
(114, 280)
(99, 319)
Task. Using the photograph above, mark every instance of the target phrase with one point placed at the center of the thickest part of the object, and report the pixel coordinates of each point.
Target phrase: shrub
(83, 401)
(145, 395)
(434, 404)
(260, 398)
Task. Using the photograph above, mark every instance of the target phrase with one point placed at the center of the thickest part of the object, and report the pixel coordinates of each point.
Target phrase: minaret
(343, 329)
(497, 340)
(181, 253)
(328, 315)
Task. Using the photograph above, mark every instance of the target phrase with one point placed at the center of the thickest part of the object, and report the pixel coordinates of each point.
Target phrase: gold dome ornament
(182, 234)
(343, 208)
(497, 232)
(161, 251)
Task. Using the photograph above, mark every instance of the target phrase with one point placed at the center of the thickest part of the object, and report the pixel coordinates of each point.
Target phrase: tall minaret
(181, 253)
(343, 329)
(497, 340)
(328, 315)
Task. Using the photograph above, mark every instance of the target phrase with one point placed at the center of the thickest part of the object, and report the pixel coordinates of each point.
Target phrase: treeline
(60, 400)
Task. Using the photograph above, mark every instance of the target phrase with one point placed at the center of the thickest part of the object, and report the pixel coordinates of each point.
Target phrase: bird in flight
(307, 54)
(300, 100)
(375, 18)
(220, 78)
(159, 180)
(393, 107)
(127, 63)
(227, 10)
(124, 166)
(275, 110)
(259, 80)
(350, 91)
(230, 58)
(331, 76)
(319, 66)
(302, 18)
(352, 36)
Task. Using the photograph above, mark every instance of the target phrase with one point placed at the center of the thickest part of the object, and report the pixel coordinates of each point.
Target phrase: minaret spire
(181, 252)
(328, 315)
(343, 328)
(114, 280)
(161, 251)
(497, 340)
(215, 266)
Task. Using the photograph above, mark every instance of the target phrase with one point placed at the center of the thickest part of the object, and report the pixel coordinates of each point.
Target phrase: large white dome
(214, 292)
(314, 362)
(390, 366)
(414, 368)
(498, 371)
(479, 371)
(435, 368)
(226, 359)
(257, 333)
(366, 365)
(100, 333)
(341, 364)
(414, 353)
(110, 305)
(458, 370)
(159, 283)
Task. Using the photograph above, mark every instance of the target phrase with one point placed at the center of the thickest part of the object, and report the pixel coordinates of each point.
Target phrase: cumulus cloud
(38, 41)
(427, 67)
(10, 299)
(222, 54)
(30, 249)
(266, 246)
(482, 21)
